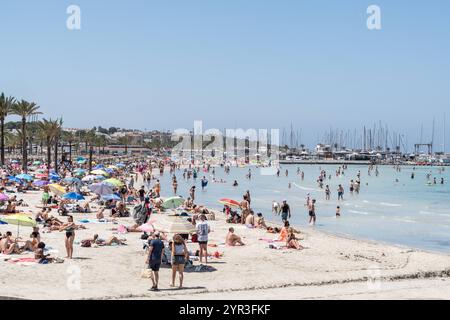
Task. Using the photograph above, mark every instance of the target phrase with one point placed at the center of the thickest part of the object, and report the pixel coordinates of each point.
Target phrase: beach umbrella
(174, 224)
(115, 182)
(99, 166)
(19, 220)
(172, 202)
(24, 176)
(15, 180)
(40, 183)
(57, 189)
(3, 197)
(111, 196)
(40, 176)
(89, 178)
(81, 161)
(101, 189)
(72, 180)
(229, 202)
(99, 177)
(113, 167)
(73, 196)
(54, 176)
(120, 165)
(41, 170)
(99, 172)
(37, 162)
(109, 170)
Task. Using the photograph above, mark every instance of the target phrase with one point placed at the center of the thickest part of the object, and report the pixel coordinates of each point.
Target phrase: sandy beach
(331, 267)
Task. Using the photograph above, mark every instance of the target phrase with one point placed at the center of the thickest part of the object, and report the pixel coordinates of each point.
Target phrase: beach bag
(86, 243)
(146, 273)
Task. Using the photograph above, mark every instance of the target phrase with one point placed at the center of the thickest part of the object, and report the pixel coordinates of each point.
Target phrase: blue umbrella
(100, 177)
(120, 165)
(111, 196)
(24, 176)
(54, 176)
(99, 166)
(73, 196)
(14, 179)
(80, 170)
(81, 159)
(72, 180)
(3, 222)
(109, 170)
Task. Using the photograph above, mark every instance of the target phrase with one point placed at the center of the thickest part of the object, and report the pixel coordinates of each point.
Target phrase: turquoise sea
(409, 212)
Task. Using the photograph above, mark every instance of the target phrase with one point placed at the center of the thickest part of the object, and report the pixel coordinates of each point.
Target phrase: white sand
(331, 267)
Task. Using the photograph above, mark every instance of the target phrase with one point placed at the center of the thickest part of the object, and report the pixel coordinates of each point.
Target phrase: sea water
(390, 207)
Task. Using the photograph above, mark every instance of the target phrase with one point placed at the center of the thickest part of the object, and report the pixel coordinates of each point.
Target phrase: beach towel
(23, 261)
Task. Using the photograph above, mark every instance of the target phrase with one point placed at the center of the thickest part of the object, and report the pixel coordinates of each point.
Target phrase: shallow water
(409, 212)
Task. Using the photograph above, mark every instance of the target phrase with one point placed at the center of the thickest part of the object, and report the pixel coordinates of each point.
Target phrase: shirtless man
(232, 239)
(245, 208)
(250, 219)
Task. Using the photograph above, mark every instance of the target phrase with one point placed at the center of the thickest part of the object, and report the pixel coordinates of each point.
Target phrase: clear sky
(231, 63)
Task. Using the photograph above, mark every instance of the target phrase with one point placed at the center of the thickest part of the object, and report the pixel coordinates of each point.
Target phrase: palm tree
(46, 129)
(24, 109)
(57, 125)
(6, 104)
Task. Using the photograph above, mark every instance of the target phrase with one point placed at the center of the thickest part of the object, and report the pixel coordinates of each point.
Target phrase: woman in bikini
(69, 227)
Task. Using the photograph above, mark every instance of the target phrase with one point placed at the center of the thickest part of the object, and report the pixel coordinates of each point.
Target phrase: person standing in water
(340, 192)
(285, 211)
(312, 212)
(327, 192)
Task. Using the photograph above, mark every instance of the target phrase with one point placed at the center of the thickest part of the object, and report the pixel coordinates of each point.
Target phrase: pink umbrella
(3, 197)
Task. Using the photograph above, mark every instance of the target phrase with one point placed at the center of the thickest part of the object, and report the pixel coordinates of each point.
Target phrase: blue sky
(247, 63)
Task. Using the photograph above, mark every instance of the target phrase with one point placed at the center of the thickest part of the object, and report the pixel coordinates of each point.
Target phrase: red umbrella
(229, 202)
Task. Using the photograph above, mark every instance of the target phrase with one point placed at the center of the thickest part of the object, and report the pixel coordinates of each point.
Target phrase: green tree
(25, 109)
(6, 105)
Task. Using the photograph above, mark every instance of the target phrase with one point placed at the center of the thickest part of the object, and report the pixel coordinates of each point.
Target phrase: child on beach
(338, 211)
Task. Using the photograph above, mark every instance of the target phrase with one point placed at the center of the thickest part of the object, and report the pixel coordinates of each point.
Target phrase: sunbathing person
(102, 242)
(259, 221)
(11, 208)
(31, 245)
(292, 241)
(40, 256)
(232, 239)
(8, 245)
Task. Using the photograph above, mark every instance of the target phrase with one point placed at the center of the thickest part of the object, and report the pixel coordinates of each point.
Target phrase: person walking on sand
(202, 237)
(180, 254)
(312, 212)
(154, 259)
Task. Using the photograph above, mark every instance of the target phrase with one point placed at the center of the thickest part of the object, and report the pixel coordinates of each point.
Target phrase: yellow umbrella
(115, 182)
(99, 172)
(57, 189)
(19, 220)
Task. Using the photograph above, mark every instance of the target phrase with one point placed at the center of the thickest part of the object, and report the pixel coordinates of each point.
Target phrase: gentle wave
(390, 204)
(358, 212)
(306, 188)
